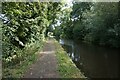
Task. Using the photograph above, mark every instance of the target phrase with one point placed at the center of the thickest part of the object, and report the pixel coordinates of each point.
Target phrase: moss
(66, 67)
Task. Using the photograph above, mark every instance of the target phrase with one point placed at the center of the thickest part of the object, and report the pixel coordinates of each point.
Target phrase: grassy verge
(66, 67)
(18, 66)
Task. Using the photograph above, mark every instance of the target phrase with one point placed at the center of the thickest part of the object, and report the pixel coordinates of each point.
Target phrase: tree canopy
(25, 23)
(97, 23)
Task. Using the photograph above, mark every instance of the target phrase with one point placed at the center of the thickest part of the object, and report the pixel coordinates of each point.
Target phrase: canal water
(93, 61)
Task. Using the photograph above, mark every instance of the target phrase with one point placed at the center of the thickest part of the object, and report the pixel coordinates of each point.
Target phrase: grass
(66, 67)
(29, 57)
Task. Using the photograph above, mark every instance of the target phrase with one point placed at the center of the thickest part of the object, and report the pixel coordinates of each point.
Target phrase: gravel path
(46, 65)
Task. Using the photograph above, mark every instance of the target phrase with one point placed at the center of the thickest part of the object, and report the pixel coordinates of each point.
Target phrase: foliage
(24, 25)
(17, 67)
(64, 20)
(101, 22)
(96, 23)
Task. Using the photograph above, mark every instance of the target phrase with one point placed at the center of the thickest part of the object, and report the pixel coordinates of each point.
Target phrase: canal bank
(66, 67)
(53, 62)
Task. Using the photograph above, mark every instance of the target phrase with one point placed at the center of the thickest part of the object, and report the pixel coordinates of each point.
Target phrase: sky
(68, 2)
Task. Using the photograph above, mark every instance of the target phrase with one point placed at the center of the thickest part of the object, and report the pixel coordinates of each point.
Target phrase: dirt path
(46, 65)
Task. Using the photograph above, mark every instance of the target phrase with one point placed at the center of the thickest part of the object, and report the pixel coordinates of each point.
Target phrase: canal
(93, 61)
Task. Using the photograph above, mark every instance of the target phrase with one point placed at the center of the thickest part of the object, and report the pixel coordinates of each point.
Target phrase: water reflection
(95, 62)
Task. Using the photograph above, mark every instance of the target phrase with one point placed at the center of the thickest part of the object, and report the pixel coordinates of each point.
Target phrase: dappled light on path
(48, 52)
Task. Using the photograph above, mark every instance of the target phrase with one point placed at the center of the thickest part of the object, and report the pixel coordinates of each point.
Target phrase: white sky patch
(67, 1)
(96, 0)
(69, 4)
(59, 0)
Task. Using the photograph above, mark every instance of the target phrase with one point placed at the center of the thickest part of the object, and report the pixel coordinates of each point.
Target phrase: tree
(26, 23)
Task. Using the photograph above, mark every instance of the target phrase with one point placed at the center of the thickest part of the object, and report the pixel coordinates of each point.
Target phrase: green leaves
(92, 22)
(27, 23)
